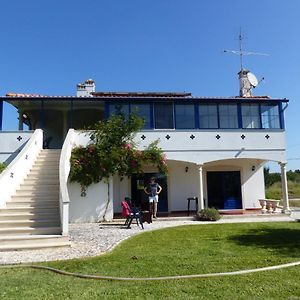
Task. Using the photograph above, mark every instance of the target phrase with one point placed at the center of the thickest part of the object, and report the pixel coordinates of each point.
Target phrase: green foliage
(293, 176)
(113, 151)
(2, 167)
(275, 190)
(273, 184)
(271, 178)
(208, 214)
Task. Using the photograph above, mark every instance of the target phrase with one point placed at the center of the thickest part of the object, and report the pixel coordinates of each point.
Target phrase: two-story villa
(216, 147)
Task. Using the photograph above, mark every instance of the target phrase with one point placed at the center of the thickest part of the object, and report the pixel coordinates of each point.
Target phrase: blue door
(224, 190)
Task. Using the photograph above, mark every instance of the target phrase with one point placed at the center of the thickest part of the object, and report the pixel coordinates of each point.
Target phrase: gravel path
(93, 239)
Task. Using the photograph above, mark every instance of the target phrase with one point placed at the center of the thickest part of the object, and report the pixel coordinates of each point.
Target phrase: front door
(224, 190)
(139, 181)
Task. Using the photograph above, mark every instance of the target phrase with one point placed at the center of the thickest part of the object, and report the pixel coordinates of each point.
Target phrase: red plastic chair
(130, 214)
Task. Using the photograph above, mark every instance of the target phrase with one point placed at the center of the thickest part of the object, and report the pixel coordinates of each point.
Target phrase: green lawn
(176, 251)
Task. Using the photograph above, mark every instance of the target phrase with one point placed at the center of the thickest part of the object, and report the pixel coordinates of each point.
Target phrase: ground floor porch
(233, 186)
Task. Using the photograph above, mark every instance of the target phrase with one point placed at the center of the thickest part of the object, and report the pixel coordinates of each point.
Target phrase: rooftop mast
(247, 79)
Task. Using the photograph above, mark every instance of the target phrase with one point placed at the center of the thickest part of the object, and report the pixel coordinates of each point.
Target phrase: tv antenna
(241, 52)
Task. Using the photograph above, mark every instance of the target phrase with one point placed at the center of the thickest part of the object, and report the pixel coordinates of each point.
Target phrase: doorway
(224, 190)
(139, 197)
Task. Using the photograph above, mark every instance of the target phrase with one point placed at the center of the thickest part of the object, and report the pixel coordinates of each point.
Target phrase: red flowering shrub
(112, 151)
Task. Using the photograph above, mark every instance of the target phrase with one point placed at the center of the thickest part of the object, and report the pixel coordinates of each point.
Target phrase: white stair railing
(64, 170)
(17, 170)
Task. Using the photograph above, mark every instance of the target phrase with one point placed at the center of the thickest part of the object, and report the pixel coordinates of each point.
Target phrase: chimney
(245, 85)
(86, 89)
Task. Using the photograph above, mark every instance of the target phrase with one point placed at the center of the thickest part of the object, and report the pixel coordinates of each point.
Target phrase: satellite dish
(252, 79)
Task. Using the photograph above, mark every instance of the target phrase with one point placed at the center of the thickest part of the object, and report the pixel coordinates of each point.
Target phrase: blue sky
(49, 46)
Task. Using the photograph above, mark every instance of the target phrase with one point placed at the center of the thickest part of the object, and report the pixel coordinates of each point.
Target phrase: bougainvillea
(112, 151)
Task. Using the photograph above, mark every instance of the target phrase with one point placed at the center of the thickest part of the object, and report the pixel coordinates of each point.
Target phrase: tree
(271, 178)
(112, 151)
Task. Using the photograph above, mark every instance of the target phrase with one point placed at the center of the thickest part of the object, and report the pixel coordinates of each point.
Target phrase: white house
(216, 149)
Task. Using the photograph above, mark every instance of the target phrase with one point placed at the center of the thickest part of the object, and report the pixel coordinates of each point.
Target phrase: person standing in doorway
(153, 189)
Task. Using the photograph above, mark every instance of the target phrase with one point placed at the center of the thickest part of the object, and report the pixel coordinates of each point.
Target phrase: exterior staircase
(31, 218)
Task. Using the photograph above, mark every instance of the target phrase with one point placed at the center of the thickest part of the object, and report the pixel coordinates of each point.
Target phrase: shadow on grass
(284, 241)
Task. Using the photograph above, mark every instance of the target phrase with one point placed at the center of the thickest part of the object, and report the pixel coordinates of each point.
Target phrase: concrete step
(49, 156)
(38, 193)
(46, 163)
(36, 186)
(30, 210)
(42, 173)
(28, 242)
(47, 153)
(45, 197)
(46, 157)
(41, 181)
(41, 168)
(29, 231)
(50, 150)
(42, 176)
(51, 167)
(29, 223)
(33, 204)
(8, 216)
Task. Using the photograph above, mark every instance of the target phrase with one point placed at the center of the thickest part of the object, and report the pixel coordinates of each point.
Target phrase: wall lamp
(186, 169)
(253, 168)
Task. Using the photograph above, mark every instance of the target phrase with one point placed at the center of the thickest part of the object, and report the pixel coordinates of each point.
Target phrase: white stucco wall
(182, 185)
(90, 208)
(15, 173)
(10, 145)
(229, 153)
(122, 189)
(205, 147)
(253, 187)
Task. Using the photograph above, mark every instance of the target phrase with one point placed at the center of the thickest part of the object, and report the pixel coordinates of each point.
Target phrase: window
(143, 111)
(228, 115)
(270, 116)
(208, 116)
(163, 115)
(185, 116)
(250, 115)
(119, 109)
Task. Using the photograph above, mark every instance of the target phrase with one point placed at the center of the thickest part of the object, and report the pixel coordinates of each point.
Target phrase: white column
(20, 120)
(200, 196)
(285, 195)
(109, 209)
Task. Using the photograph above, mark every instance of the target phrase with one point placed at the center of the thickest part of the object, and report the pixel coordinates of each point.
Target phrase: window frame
(173, 115)
(197, 117)
(194, 115)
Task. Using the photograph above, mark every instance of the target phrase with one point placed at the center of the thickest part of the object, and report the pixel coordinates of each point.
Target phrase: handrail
(64, 170)
(14, 174)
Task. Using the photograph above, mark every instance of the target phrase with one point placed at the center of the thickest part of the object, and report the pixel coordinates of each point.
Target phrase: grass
(292, 202)
(275, 190)
(176, 251)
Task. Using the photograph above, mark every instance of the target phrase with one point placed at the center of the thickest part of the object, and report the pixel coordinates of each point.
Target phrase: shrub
(208, 214)
(112, 151)
(2, 167)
